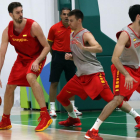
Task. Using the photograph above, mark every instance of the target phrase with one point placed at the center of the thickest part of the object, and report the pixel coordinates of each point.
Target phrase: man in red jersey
(31, 46)
(59, 40)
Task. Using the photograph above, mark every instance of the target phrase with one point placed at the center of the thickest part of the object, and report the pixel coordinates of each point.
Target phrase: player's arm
(93, 47)
(121, 43)
(50, 43)
(37, 32)
(51, 36)
(3, 48)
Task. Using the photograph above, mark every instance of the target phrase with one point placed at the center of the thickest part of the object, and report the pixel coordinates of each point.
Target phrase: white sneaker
(53, 113)
(77, 112)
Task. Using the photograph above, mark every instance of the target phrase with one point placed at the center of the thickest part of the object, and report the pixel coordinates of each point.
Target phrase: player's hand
(68, 56)
(0, 83)
(35, 66)
(129, 82)
(78, 43)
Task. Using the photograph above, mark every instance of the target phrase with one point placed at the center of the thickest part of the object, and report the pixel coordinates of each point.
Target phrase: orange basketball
(0, 100)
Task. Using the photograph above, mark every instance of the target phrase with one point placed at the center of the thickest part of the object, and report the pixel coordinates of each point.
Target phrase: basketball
(0, 100)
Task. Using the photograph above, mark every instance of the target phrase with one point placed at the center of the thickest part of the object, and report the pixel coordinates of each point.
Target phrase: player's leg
(104, 91)
(55, 73)
(8, 103)
(108, 109)
(39, 96)
(107, 95)
(72, 88)
(52, 96)
(70, 69)
(37, 89)
(135, 114)
(45, 119)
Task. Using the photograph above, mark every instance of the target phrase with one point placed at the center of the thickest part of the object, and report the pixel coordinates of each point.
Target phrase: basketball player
(125, 70)
(59, 40)
(90, 77)
(31, 46)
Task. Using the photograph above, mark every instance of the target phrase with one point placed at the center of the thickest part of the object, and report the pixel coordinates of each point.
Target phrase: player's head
(134, 13)
(16, 11)
(64, 14)
(75, 19)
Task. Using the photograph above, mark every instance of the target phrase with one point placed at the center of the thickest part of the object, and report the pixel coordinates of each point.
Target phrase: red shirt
(26, 46)
(60, 36)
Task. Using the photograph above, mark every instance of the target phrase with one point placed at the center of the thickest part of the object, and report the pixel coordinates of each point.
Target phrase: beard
(19, 21)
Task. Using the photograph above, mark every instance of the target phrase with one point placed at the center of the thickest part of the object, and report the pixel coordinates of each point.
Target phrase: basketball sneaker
(78, 113)
(137, 119)
(93, 135)
(45, 120)
(53, 113)
(71, 122)
(5, 123)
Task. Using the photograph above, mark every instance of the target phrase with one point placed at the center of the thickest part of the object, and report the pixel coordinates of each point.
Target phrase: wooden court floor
(118, 126)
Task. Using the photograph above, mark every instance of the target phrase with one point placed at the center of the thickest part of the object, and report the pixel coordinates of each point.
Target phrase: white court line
(76, 131)
(87, 118)
(63, 119)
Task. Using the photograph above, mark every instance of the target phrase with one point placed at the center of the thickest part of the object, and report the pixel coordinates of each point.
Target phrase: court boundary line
(103, 122)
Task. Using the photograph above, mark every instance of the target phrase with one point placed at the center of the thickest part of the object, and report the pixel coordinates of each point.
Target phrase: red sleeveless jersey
(26, 46)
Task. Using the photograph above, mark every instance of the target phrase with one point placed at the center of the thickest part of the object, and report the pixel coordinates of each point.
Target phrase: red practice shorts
(19, 71)
(119, 81)
(95, 86)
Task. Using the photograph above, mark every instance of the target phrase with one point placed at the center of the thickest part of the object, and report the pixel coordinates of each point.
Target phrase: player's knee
(54, 85)
(10, 89)
(62, 100)
(110, 98)
(31, 78)
(118, 100)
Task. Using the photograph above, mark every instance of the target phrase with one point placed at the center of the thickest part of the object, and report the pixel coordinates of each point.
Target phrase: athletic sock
(44, 109)
(133, 113)
(52, 105)
(7, 116)
(97, 124)
(72, 102)
(72, 114)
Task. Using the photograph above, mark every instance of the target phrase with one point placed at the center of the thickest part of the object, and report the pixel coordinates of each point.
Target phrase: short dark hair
(77, 13)
(64, 8)
(134, 11)
(13, 5)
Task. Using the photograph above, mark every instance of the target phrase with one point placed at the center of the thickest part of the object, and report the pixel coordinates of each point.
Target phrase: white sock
(72, 114)
(97, 124)
(133, 113)
(72, 102)
(52, 105)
